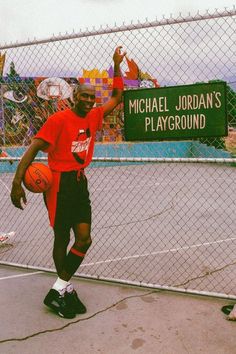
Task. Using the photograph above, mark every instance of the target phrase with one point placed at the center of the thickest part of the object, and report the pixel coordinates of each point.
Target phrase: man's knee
(83, 244)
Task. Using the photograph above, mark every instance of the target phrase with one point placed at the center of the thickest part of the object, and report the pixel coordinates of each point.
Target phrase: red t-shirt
(71, 138)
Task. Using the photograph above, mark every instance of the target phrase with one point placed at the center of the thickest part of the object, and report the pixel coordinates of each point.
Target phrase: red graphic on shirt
(80, 146)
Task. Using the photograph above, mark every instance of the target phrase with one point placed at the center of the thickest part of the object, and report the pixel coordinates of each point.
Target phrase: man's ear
(72, 98)
(74, 95)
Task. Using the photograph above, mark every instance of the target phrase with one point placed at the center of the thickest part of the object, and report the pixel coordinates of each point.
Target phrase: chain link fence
(163, 212)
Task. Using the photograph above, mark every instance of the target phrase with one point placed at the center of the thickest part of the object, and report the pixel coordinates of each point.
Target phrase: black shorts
(72, 203)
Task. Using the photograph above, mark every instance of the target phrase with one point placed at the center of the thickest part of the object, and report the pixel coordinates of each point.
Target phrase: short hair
(81, 87)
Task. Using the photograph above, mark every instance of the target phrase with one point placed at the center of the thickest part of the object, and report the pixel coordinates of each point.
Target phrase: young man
(68, 138)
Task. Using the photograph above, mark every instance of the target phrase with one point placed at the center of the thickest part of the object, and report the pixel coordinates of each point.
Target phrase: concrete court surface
(120, 319)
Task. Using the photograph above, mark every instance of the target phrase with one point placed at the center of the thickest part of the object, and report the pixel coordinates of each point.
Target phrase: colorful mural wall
(26, 102)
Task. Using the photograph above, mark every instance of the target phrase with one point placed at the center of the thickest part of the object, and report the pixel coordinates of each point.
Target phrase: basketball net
(54, 91)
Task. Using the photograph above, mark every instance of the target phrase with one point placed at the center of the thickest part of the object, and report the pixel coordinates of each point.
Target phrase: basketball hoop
(54, 88)
(53, 91)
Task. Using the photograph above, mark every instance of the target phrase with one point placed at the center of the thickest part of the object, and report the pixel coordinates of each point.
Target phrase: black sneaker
(58, 303)
(74, 302)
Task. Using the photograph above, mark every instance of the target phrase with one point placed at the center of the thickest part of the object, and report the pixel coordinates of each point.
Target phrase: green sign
(188, 111)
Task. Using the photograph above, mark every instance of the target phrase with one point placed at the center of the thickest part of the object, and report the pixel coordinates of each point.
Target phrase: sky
(24, 20)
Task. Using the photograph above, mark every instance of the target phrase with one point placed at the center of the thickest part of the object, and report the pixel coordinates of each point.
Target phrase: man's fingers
(119, 51)
(24, 199)
(17, 204)
(18, 200)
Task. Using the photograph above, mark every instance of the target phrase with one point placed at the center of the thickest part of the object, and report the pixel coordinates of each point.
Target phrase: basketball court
(124, 318)
(155, 225)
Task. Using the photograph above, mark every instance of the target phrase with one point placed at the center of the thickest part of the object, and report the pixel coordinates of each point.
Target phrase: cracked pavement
(120, 319)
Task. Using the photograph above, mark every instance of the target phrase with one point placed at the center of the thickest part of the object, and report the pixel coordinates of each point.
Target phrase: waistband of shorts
(81, 170)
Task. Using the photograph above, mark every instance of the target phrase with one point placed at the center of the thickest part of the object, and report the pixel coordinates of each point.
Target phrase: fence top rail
(144, 159)
(108, 30)
(165, 159)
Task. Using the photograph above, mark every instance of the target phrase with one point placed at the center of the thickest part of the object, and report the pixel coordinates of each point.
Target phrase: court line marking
(171, 250)
(21, 275)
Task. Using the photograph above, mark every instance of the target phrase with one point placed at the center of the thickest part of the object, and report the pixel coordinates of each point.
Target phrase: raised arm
(17, 192)
(118, 84)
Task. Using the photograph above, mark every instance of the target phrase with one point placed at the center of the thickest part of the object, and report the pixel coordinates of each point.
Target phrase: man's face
(84, 100)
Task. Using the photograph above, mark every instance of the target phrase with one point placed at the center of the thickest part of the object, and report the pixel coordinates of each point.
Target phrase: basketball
(38, 177)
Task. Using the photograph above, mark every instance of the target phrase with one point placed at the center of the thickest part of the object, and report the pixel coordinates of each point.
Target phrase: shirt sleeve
(49, 131)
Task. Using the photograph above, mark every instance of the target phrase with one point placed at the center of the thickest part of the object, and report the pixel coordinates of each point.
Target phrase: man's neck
(79, 113)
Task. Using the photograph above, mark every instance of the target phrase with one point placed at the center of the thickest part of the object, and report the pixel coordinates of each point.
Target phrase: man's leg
(73, 260)
(61, 242)
(70, 214)
(77, 252)
(55, 298)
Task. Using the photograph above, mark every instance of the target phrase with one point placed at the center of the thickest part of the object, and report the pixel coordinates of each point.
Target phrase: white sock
(60, 285)
(69, 288)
